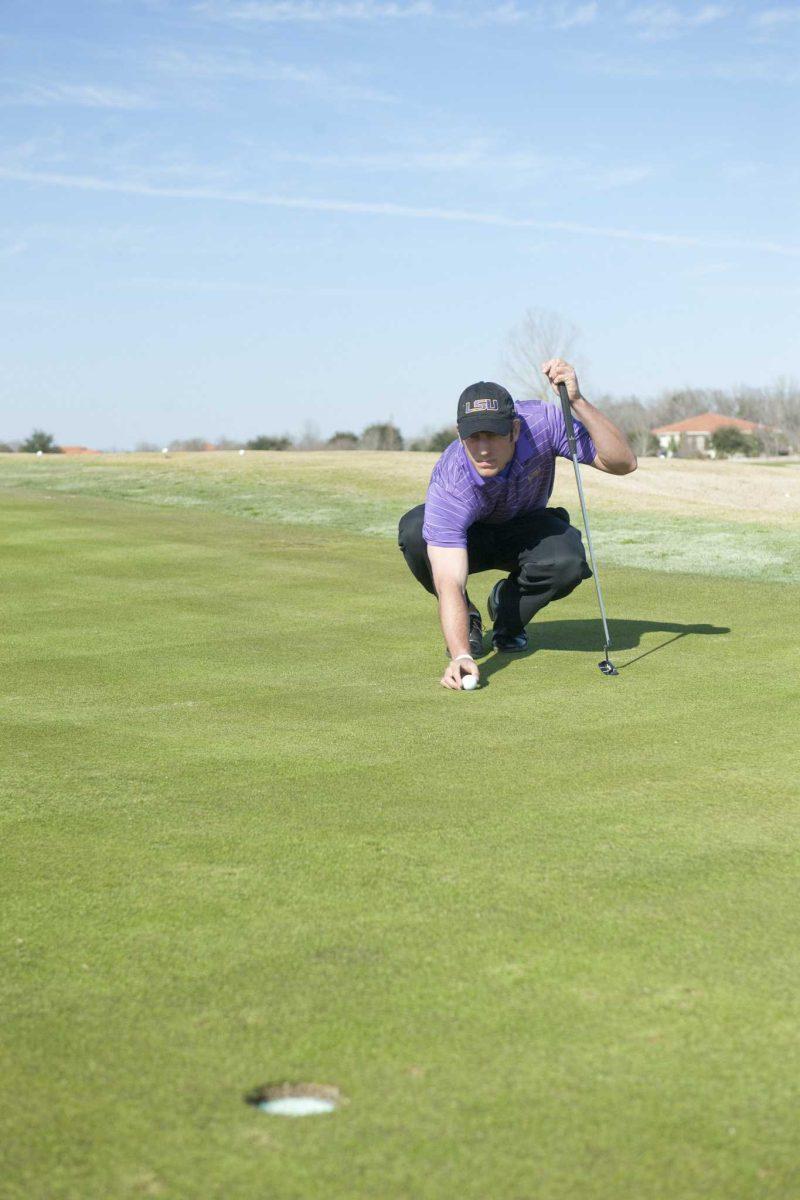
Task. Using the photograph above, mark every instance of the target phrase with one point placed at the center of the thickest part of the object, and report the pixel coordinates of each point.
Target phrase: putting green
(542, 937)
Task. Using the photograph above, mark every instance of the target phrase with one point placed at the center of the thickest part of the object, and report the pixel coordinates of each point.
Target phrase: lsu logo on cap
(486, 405)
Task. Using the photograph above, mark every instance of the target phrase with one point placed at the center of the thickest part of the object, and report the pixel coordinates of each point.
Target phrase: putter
(606, 666)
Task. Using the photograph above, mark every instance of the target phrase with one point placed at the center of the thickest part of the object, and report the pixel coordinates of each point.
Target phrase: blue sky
(244, 216)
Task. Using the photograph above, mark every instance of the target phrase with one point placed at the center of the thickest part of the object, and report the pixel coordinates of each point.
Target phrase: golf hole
(295, 1099)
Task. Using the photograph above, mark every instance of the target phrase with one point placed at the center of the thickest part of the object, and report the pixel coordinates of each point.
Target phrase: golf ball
(469, 683)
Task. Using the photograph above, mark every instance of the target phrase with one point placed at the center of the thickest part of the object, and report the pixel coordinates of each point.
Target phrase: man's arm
(449, 567)
(614, 453)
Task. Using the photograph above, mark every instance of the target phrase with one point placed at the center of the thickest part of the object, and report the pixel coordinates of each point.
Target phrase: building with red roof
(693, 435)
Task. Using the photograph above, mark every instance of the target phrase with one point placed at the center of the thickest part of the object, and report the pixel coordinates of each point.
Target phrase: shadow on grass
(588, 635)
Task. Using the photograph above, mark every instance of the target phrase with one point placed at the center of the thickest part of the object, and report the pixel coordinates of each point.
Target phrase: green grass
(542, 936)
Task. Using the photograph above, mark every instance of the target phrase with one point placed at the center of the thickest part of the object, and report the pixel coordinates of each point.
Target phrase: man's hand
(558, 371)
(456, 669)
(613, 451)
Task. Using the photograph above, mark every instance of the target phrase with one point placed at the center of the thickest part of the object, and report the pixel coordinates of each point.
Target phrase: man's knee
(414, 547)
(409, 534)
(569, 568)
(561, 562)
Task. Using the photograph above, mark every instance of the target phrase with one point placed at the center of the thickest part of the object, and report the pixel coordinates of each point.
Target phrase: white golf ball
(469, 683)
(241, 451)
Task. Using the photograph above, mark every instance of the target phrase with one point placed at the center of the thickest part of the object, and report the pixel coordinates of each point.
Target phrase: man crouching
(485, 510)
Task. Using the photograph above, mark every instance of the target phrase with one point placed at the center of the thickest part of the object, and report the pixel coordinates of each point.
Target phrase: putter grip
(567, 411)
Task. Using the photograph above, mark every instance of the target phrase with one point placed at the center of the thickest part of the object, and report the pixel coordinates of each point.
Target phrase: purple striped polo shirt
(458, 496)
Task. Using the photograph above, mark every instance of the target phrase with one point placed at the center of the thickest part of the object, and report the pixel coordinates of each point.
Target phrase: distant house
(693, 435)
(78, 450)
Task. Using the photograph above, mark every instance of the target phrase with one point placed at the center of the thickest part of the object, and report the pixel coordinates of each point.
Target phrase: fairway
(543, 937)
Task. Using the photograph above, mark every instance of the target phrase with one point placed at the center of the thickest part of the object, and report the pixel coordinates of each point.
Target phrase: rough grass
(542, 936)
(728, 519)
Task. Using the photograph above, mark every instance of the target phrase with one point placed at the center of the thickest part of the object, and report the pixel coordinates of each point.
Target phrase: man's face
(489, 452)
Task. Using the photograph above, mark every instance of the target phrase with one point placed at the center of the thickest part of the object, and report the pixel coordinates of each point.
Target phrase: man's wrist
(459, 657)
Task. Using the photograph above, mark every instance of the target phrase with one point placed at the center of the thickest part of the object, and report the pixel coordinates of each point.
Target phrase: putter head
(607, 667)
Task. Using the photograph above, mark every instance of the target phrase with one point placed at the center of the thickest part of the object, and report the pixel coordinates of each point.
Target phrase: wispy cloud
(466, 158)
(203, 284)
(314, 11)
(403, 211)
(571, 16)
(77, 95)
(559, 15)
(655, 22)
(75, 237)
(753, 69)
(749, 70)
(12, 249)
(238, 66)
(608, 178)
(772, 19)
(477, 155)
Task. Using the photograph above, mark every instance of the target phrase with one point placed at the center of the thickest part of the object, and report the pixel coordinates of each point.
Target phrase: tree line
(39, 442)
(776, 409)
(383, 435)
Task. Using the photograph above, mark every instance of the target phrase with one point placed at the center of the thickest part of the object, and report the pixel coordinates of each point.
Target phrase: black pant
(542, 552)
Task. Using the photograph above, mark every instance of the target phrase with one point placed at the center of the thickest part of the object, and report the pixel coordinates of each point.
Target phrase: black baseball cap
(485, 406)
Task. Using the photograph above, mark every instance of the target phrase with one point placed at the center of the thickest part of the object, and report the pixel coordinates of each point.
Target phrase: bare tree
(310, 438)
(541, 334)
(777, 409)
(679, 403)
(633, 417)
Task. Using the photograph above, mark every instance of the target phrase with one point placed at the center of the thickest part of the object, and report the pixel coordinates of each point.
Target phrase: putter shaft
(567, 411)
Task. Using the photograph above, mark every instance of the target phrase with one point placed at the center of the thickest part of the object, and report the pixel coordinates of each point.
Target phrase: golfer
(485, 510)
